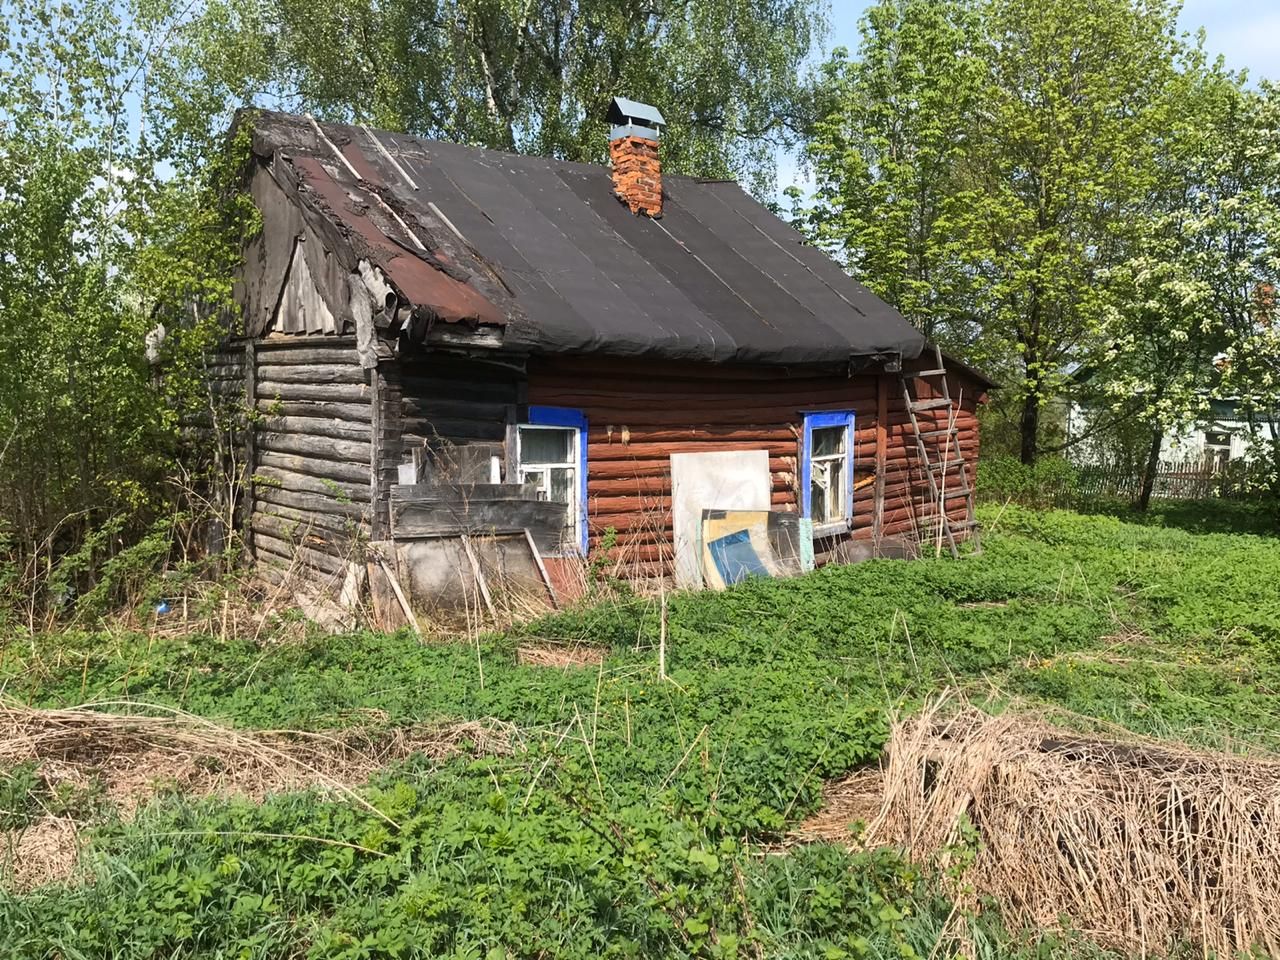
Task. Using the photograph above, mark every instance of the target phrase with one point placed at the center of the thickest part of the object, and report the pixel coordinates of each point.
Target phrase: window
(1217, 438)
(827, 469)
(551, 454)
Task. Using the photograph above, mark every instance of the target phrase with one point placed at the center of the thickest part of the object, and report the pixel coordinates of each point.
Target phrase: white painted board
(729, 480)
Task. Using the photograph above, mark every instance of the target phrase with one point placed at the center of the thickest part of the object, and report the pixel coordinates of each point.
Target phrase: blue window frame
(551, 451)
(826, 468)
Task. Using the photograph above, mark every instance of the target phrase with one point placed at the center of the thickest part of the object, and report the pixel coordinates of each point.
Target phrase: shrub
(1049, 482)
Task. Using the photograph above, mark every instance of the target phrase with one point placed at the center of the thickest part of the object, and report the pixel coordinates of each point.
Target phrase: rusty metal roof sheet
(417, 274)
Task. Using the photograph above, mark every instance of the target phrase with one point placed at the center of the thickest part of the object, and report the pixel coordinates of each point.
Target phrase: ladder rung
(946, 465)
(930, 373)
(936, 433)
(930, 404)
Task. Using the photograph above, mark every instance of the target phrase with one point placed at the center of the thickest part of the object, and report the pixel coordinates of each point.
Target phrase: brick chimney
(633, 149)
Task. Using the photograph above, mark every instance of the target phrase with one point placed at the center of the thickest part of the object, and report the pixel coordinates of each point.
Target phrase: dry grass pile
(851, 800)
(563, 655)
(128, 758)
(1141, 845)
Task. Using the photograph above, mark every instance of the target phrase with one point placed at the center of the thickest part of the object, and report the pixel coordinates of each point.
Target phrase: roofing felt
(544, 248)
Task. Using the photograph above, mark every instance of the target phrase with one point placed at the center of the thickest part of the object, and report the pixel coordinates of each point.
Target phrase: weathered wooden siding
(438, 405)
(311, 494)
(638, 415)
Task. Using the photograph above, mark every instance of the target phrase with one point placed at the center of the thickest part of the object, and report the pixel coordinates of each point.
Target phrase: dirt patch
(45, 851)
(564, 655)
(124, 760)
(846, 803)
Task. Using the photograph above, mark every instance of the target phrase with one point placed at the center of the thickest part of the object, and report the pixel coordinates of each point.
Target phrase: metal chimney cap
(633, 119)
(623, 111)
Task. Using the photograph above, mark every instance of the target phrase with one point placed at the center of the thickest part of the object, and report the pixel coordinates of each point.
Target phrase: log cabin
(439, 339)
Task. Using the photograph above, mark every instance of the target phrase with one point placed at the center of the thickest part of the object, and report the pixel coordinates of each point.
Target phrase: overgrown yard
(600, 810)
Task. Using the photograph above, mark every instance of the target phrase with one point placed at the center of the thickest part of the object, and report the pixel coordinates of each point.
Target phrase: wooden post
(250, 457)
(379, 520)
(882, 448)
(662, 639)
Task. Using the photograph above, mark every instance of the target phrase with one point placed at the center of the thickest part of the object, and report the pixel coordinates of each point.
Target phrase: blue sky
(1245, 32)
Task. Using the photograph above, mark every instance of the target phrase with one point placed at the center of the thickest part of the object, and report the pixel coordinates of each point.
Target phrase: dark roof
(543, 249)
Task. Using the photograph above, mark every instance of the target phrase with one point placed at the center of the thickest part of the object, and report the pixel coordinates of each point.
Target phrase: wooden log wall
(312, 492)
(639, 414)
(224, 432)
(452, 409)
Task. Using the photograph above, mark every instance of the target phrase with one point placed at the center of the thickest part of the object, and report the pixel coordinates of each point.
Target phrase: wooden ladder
(948, 445)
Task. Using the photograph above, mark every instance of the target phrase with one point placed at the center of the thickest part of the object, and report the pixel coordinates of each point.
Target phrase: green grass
(633, 825)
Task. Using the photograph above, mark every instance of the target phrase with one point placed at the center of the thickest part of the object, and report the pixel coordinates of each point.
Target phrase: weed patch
(634, 822)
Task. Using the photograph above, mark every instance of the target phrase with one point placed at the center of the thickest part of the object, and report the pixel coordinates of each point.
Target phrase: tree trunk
(1030, 425)
(1149, 474)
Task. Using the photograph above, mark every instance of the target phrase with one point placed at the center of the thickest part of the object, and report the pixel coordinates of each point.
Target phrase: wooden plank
(347, 518)
(250, 442)
(319, 409)
(302, 532)
(542, 568)
(319, 374)
(315, 504)
(598, 433)
(431, 408)
(380, 526)
(600, 469)
(342, 473)
(334, 429)
(319, 448)
(338, 392)
(882, 448)
(301, 355)
(439, 519)
(461, 493)
(478, 574)
(639, 452)
(325, 562)
(430, 431)
(286, 477)
(405, 608)
(455, 389)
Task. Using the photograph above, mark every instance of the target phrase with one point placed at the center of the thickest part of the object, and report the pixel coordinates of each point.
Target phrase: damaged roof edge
(535, 249)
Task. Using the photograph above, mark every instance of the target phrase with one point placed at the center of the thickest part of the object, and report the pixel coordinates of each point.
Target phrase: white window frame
(575, 464)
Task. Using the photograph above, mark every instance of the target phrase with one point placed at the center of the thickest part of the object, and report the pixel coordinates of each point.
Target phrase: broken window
(551, 456)
(828, 468)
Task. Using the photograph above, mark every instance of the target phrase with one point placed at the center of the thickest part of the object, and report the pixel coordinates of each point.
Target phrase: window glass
(826, 498)
(546, 445)
(828, 442)
(818, 505)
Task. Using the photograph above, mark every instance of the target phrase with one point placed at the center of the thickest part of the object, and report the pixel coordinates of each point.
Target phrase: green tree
(886, 151)
(1239, 212)
(1163, 324)
(536, 76)
(1060, 157)
(103, 237)
(980, 166)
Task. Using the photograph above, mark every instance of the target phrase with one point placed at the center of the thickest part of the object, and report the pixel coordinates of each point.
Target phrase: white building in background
(1222, 435)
